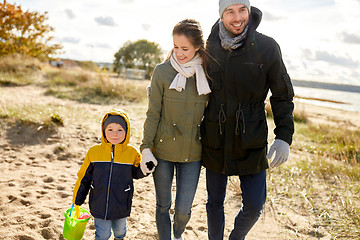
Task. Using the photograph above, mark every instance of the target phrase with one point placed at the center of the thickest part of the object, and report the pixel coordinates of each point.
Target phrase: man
(246, 65)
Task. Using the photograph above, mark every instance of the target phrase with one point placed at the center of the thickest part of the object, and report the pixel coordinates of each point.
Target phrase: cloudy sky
(319, 39)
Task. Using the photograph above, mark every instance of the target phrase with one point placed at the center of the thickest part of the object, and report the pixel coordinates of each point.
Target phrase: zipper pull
(112, 151)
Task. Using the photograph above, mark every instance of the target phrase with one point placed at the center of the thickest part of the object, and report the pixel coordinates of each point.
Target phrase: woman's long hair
(193, 32)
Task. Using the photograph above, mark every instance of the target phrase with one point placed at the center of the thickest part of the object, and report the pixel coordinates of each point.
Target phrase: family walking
(206, 108)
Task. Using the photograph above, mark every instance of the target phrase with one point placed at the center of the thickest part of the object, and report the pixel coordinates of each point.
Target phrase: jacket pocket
(163, 137)
(254, 135)
(97, 202)
(162, 134)
(122, 198)
(288, 84)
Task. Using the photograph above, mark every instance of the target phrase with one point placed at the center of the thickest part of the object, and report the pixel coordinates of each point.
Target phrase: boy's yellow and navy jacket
(108, 172)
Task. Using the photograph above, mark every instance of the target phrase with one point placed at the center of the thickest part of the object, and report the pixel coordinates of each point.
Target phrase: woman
(178, 96)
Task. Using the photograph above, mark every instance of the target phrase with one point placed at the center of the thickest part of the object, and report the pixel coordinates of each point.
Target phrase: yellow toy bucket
(74, 228)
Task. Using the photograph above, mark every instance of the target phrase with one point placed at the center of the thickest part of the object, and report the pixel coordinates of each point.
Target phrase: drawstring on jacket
(222, 118)
(239, 114)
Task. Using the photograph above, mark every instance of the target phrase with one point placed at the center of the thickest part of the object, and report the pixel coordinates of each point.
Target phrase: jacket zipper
(108, 190)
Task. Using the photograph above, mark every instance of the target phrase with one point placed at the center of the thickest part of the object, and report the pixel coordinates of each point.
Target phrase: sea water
(343, 97)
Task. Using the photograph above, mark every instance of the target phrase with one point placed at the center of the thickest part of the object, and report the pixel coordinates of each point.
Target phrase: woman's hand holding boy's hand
(148, 162)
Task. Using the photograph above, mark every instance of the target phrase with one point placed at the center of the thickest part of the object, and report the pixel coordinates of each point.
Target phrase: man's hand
(282, 151)
(148, 161)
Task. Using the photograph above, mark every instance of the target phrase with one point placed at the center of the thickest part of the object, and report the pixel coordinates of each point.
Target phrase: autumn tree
(25, 33)
(140, 54)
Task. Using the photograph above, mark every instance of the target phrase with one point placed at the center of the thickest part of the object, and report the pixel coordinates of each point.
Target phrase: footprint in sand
(42, 192)
(28, 183)
(47, 233)
(45, 215)
(25, 194)
(25, 202)
(46, 223)
(202, 228)
(48, 180)
(64, 195)
(11, 198)
(23, 237)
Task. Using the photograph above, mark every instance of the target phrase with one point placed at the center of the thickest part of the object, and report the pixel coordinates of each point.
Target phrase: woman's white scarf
(187, 70)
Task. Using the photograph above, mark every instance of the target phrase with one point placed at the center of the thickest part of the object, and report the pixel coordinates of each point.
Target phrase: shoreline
(319, 99)
(329, 98)
(328, 115)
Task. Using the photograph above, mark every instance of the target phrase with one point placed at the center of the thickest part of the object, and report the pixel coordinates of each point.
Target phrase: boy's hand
(77, 211)
(148, 161)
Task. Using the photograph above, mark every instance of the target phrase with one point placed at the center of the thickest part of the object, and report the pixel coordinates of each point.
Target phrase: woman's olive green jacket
(172, 125)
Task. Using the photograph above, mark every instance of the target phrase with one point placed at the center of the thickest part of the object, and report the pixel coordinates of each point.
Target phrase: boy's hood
(120, 112)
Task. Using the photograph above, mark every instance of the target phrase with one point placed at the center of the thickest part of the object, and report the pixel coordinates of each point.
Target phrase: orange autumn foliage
(25, 33)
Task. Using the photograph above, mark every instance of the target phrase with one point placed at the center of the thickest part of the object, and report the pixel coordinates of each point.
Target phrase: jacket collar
(254, 22)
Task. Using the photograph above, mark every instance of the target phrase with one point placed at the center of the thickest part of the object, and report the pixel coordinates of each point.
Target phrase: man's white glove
(282, 151)
(148, 161)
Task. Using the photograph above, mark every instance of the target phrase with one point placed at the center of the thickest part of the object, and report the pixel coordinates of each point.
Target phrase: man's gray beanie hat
(223, 4)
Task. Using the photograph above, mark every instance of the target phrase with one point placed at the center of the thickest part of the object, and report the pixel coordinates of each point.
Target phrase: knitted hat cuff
(115, 119)
(224, 4)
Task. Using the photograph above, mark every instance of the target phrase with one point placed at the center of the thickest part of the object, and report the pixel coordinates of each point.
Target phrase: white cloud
(268, 16)
(351, 37)
(100, 45)
(70, 40)
(146, 27)
(336, 60)
(70, 13)
(106, 21)
(319, 39)
(126, 1)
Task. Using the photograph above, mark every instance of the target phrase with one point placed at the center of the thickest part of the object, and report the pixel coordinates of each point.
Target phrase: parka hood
(119, 112)
(255, 19)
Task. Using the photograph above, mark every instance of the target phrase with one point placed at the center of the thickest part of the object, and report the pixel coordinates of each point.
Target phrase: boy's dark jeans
(253, 192)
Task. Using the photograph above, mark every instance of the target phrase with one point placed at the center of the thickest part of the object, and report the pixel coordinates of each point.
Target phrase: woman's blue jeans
(253, 192)
(187, 178)
(103, 228)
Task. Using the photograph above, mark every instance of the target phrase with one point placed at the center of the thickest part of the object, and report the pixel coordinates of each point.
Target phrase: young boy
(108, 172)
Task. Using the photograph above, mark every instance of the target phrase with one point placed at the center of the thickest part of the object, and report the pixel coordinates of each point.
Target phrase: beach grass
(323, 182)
(19, 70)
(321, 189)
(44, 115)
(84, 83)
(337, 143)
(94, 87)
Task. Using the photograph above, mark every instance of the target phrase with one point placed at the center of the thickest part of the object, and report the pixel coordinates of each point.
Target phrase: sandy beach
(38, 173)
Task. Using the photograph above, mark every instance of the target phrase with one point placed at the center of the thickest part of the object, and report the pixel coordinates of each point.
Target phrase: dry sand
(38, 172)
